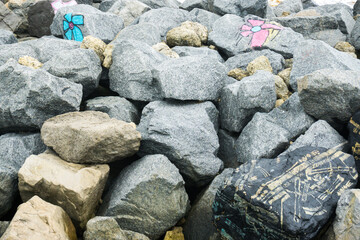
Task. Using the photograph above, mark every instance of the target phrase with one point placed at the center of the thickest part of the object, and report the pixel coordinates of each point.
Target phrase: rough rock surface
(128, 10)
(96, 137)
(354, 137)
(74, 187)
(37, 219)
(147, 197)
(8, 19)
(186, 134)
(30, 62)
(204, 17)
(40, 16)
(227, 151)
(184, 51)
(259, 63)
(7, 37)
(290, 197)
(163, 48)
(95, 44)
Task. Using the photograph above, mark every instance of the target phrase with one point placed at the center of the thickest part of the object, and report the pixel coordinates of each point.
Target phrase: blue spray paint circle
(256, 29)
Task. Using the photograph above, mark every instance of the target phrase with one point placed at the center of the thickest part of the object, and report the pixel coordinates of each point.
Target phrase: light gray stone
(204, 17)
(186, 134)
(200, 4)
(98, 24)
(131, 71)
(184, 51)
(81, 66)
(288, 6)
(199, 225)
(15, 51)
(7, 37)
(161, 3)
(29, 97)
(144, 32)
(14, 149)
(115, 107)
(8, 19)
(241, 100)
(128, 10)
(190, 78)
(106, 5)
(241, 8)
(147, 197)
(331, 37)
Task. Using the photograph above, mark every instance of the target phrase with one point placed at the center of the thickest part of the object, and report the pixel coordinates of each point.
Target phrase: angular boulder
(290, 197)
(128, 10)
(74, 187)
(15, 51)
(8, 19)
(7, 37)
(204, 17)
(90, 137)
(147, 197)
(40, 17)
(184, 51)
(240, 8)
(227, 151)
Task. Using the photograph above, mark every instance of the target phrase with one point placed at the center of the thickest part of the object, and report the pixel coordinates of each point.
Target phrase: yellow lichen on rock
(30, 62)
(165, 49)
(346, 47)
(238, 73)
(95, 44)
(175, 234)
(260, 63)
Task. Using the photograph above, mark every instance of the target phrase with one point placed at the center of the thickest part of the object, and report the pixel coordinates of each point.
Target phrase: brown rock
(30, 62)
(90, 137)
(285, 75)
(259, 63)
(96, 44)
(108, 56)
(37, 219)
(282, 92)
(165, 49)
(289, 63)
(199, 29)
(180, 36)
(74, 187)
(238, 73)
(175, 234)
(279, 102)
(8, 19)
(346, 47)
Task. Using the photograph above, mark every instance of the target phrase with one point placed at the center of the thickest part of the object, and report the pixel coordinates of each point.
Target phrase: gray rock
(14, 149)
(200, 4)
(330, 94)
(308, 3)
(165, 18)
(81, 66)
(161, 3)
(185, 133)
(131, 71)
(7, 37)
(319, 134)
(3, 226)
(144, 32)
(204, 17)
(8, 19)
(184, 51)
(241, 8)
(356, 8)
(128, 10)
(106, 5)
(331, 37)
(227, 37)
(199, 224)
(243, 59)
(15, 51)
(115, 107)
(288, 6)
(190, 78)
(355, 35)
(96, 23)
(241, 100)
(313, 55)
(29, 97)
(147, 197)
(227, 151)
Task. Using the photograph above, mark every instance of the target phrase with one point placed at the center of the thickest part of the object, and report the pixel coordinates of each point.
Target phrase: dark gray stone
(241, 8)
(131, 71)
(241, 60)
(29, 97)
(288, 6)
(330, 94)
(190, 78)
(308, 3)
(96, 23)
(14, 149)
(227, 152)
(165, 18)
(144, 32)
(184, 51)
(290, 197)
(241, 100)
(81, 66)
(40, 17)
(147, 197)
(3, 226)
(7, 37)
(355, 35)
(200, 4)
(199, 225)
(115, 107)
(356, 8)
(331, 37)
(313, 55)
(204, 17)
(354, 137)
(106, 5)
(8, 19)
(186, 134)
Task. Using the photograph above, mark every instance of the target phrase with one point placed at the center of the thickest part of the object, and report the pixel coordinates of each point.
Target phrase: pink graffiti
(56, 5)
(259, 31)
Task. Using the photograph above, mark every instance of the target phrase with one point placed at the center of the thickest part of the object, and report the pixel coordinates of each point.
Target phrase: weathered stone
(279, 102)
(96, 23)
(184, 51)
(15, 51)
(260, 63)
(181, 36)
(9, 20)
(128, 10)
(190, 78)
(30, 62)
(103, 228)
(199, 4)
(115, 107)
(186, 134)
(7, 37)
(204, 17)
(131, 71)
(354, 137)
(199, 225)
(108, 56)
(14, 149)
(285, 75)
(346, 47)
(288, 6)
(330, 94)
(227, 151)
(24, 104)
(40, 17)
(240, 8)
(81, 66)
(161, 3)
(238, 73)
(95, 44)
(290, 197)
(147, 197)
(175, 234)
(314, 55)
(241, 100)
(3, 226)
(165, 49)
(355, 35)
(74, 187)
(282, 91)
(96, 137)
(37, 219)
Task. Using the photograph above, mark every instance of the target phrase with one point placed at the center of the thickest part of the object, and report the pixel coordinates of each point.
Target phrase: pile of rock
(153, 119)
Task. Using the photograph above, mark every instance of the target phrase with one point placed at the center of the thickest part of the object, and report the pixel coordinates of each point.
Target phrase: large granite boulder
(240, 8)
(288, 7)
(40, 17)
(79, 21)
(242, 99)
(147, 197)
(29, 97)
(161, 3)
(128, 10)
(290, 197)
(74, 187)
(14, 149)
(184, 51)
(15, 51)
(190, 78)
(204, 17)
(7, 37)
(96, 137)
(186, 134)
